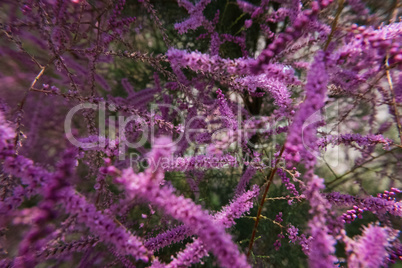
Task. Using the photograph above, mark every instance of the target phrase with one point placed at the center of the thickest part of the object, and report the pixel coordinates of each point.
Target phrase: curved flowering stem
(108, 228)
(196, 250)
(146, 185)
(240, 205)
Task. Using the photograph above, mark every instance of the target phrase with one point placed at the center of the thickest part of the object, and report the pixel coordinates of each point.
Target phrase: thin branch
(354, 168)
(391, 88)
(334, 23)
(264, 196)
(21, 106)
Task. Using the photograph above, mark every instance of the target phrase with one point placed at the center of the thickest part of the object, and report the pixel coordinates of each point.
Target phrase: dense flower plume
(200, 133)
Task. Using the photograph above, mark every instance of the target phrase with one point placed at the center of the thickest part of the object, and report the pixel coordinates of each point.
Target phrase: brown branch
(330, 186)
(21, 106)
(334, 23)
(394, 11)
(391, 88)
(264, 196)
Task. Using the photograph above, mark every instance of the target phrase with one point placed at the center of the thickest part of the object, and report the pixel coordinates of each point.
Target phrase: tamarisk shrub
(202, 133)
